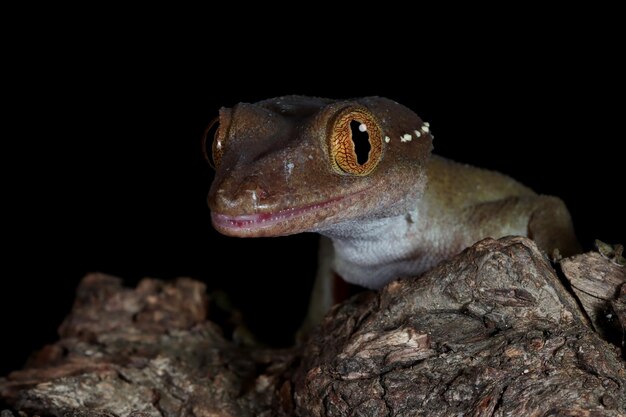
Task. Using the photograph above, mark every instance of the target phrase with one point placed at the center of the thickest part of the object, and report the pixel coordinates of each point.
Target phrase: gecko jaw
(282, 222)
(252, 224)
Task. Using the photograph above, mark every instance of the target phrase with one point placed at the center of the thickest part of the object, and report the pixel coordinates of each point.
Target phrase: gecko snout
(244, 198)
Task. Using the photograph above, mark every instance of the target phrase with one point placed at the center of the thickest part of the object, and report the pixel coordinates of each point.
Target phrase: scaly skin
(277, 175)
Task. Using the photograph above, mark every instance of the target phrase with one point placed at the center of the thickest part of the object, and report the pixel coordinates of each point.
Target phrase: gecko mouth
(281, 222)
(265, 220)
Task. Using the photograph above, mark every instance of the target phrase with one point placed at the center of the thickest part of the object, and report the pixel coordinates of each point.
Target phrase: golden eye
(213, 155)
(355, 141)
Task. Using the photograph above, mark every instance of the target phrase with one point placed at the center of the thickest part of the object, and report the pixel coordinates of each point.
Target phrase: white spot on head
(289, 167)
(418, 133)
(362, 127)
(219, 144)
(387, 139)
(310, 156)
(406, 138)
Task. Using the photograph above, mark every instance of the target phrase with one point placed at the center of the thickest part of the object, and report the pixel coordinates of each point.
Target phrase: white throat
(373, 252)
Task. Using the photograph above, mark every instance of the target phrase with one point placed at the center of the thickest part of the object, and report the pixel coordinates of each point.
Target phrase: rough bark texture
(492, 332)
(150, 349)
(599, 283)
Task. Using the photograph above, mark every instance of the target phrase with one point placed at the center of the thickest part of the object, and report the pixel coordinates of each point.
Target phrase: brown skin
(260, 140)
(485, 202)
(287, 165)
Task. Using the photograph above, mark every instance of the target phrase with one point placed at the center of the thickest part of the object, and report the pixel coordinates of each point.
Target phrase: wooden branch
(492, 332)
(599, 281)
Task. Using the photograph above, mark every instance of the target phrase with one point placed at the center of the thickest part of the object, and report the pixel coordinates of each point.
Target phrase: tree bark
(492, 332)
(599, 285)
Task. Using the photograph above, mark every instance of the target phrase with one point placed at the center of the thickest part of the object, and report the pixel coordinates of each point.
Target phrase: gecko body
(360, 172)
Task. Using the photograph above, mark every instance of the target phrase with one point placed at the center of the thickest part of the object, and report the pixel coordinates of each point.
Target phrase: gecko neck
(372, 252)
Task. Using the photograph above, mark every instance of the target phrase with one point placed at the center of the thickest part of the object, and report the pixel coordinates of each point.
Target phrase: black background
(109, 177)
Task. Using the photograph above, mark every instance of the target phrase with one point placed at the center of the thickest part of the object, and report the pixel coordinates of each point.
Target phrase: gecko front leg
(550, 226)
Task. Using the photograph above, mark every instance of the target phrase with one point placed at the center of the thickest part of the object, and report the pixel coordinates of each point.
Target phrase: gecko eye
(212, 151)
(355, 142)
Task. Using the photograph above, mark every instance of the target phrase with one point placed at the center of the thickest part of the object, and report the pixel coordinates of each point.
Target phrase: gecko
(361, 173)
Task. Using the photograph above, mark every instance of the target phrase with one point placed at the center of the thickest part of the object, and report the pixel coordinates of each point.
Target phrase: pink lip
(261, 220)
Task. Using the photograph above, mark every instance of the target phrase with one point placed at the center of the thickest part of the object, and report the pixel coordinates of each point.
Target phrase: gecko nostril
(252, 187)
(257, 193)
(261, 193)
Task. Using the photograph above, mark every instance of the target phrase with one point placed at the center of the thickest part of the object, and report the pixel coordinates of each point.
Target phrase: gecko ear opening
(212, 152)
(355, 141)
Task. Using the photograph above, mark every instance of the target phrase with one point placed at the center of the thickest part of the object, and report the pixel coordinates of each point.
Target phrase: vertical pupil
(361, 141)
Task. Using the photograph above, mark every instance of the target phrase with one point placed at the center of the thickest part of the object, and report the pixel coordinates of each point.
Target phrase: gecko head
(295, 164)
